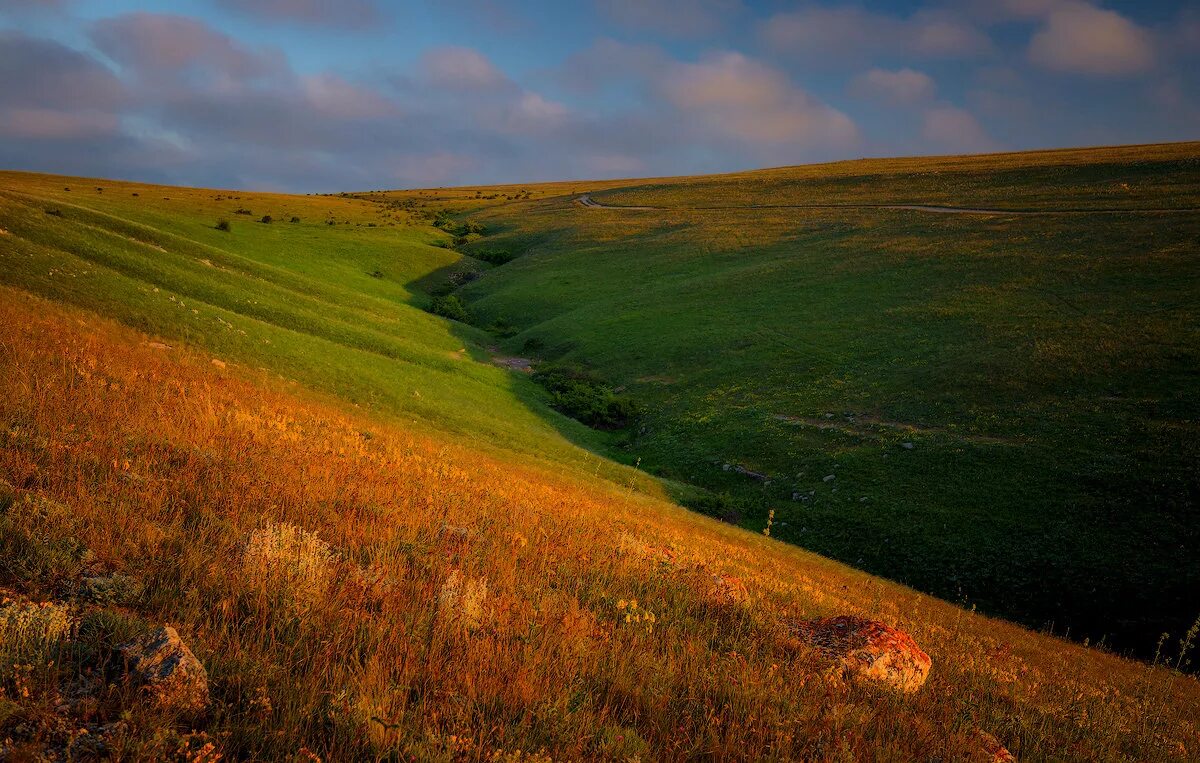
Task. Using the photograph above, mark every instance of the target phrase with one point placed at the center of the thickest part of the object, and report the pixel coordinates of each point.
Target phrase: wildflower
(462, 600)
(286, 560)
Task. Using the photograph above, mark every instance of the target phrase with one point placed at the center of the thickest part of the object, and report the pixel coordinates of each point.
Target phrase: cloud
(461, 69)
(346, 14)
(1083, 39)
(53, 93)
(736, 97)
(902, 87)
(952, 130)
(672, 18)
(156, 45)
(851, 33)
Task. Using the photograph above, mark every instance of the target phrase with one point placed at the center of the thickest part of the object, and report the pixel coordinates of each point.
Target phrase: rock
(726, 589)
(167, 668)
(906, 445)
(829, 478)
(218, 363)
(991, 750)
(869, 649)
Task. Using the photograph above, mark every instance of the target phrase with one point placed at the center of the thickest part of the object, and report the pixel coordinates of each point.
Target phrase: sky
(330, 95)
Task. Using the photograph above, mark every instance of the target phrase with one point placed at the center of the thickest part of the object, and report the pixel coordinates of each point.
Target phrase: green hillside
(323, 295)
(997, 409)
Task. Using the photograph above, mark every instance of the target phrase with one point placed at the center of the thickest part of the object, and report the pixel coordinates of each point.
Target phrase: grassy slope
(301, 299)
(1044, 368)
(467, 607)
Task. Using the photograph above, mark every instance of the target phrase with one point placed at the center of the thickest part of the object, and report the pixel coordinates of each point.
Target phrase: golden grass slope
(356, 590)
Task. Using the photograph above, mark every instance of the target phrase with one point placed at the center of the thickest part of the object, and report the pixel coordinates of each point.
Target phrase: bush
(722, 506)
(449, 306)
(494, 256)
(55, 212)
(242, 211)
(266, 219)
(580, 394)
(295, 219)
(533, 345)
(223, 225)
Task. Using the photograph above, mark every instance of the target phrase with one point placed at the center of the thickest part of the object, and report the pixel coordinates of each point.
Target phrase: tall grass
(360, 590)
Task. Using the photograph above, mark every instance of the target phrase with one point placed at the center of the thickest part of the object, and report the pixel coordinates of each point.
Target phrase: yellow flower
(622, 604)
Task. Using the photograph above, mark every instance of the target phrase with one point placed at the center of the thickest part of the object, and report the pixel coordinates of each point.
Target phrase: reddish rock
(991, 750)
(168, 669)
(869, 649)
(726, 589)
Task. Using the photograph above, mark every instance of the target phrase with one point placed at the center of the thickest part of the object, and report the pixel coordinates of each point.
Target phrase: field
(332, 307)
(1042, 369)
(383, 546)
(454, 606)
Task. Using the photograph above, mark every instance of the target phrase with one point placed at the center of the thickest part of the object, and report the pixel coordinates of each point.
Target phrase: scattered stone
(991, 750)
(869, 649)
(726, 589)
(167, 668)
(906, 445)
(829, 478)
(750, 473)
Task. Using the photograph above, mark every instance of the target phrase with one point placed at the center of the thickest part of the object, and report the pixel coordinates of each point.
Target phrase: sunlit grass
(461, 606)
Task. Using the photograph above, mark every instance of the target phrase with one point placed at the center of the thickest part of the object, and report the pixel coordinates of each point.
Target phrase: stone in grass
(991, 750)
(163, 664)
(868, 649)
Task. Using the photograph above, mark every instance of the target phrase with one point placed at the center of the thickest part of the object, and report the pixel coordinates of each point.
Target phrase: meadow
(381, 545)
(997, 409)
(358, 589)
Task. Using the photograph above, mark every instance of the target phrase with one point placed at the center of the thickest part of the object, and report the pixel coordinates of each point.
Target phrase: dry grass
(463, 607)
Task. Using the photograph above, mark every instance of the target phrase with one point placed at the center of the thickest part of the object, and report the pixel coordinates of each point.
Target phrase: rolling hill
(995, 408)
(379, 544)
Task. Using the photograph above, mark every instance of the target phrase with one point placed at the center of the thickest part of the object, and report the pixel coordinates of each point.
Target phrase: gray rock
(168, 670)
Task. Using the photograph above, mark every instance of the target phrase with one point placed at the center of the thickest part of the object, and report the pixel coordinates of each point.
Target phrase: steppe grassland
(412, 595)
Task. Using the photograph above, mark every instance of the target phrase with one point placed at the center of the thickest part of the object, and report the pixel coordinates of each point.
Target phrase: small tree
(223, 225)
(450, 307)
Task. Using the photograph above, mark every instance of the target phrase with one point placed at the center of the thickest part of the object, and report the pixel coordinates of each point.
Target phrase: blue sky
(320, 95)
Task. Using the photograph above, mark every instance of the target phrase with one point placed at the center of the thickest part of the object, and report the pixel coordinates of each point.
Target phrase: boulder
(991, 750)
(868, 649)
(726, 589)
(163, 664)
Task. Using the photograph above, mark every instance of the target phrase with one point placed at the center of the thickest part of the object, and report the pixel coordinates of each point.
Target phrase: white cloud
(952, 130)
(460, 68)
(1081, 38)
(743, 99)
(902, 87)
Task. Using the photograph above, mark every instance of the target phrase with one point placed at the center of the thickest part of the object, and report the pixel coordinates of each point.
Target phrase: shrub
(722, 506)
(533, 345)
(242, 211)
(55, 212)
(449, 306)
(295, 219)
(288, 563)
(494, 256)
(223, 225)
(580, 394)
(266, 219)
(31, 633)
